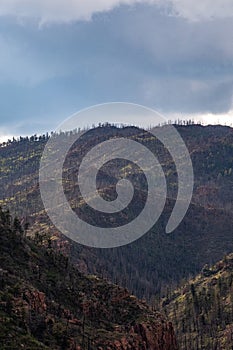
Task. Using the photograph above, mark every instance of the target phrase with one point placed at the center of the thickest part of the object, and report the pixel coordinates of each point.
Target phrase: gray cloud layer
(138, 54)
(72, 10)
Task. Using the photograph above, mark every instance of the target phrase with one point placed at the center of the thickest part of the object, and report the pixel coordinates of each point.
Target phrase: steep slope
(157, 259)
(45, 303)
(202, 310)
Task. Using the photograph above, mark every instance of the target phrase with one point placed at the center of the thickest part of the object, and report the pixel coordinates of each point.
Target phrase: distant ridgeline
(157, 261)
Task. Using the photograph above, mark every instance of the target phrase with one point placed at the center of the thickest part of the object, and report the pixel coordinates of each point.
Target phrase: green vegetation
(202, 309)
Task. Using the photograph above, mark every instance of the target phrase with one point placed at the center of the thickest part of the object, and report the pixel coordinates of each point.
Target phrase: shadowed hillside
(45, 303)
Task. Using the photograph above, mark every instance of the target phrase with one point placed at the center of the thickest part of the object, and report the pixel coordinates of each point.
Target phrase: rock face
(46, 303)
(145, 336)
(157, 336)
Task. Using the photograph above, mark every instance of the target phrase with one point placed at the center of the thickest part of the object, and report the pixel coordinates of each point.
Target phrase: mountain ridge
(167, 258)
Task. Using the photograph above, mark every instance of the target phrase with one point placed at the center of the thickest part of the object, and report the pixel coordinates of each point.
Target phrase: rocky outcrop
(46, 303)
(155, 335)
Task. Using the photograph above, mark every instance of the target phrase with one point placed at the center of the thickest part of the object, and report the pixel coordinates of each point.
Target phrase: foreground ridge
(45, 303)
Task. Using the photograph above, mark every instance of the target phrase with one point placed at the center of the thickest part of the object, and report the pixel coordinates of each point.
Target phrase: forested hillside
(157, 260)
(202, 309)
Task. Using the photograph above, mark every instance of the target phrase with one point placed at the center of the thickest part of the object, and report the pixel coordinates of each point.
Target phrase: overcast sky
(59, 56)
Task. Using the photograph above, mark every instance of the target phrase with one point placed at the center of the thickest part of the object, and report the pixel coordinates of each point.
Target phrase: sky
(60, 56)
